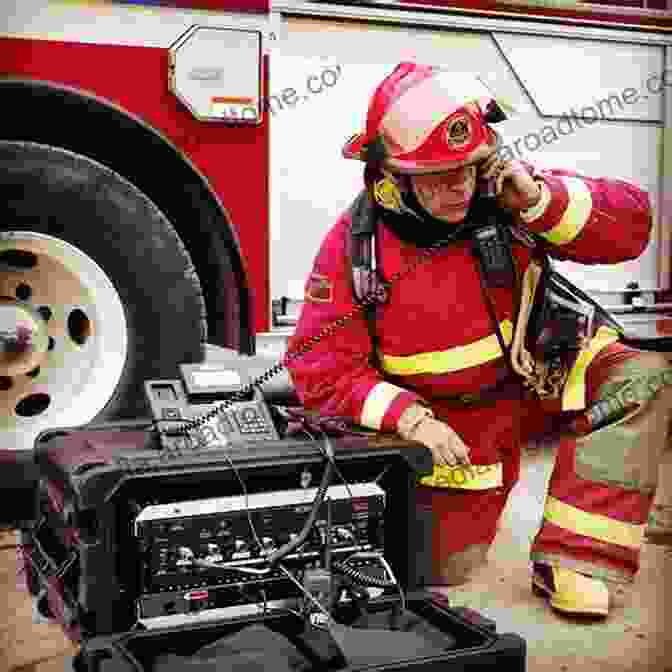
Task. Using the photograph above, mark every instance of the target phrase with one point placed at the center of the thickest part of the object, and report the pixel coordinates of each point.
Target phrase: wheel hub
(24, 339)
(63, 337)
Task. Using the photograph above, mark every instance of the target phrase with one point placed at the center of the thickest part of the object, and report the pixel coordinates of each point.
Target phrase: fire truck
(136, 189)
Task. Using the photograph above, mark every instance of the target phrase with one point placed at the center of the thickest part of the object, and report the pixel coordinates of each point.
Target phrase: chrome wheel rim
(63, 337)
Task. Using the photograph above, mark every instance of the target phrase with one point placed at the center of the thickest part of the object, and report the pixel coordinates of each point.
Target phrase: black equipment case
(84, 560)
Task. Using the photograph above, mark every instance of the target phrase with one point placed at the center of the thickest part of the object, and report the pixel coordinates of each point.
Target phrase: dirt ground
(637, 637)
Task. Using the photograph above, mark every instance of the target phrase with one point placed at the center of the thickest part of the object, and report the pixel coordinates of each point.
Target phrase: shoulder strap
(362, 259)
(362, 234)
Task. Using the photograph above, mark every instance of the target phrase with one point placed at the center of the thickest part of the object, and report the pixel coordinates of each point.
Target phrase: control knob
(184, 555)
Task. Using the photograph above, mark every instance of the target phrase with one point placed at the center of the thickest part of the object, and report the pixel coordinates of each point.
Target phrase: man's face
(446, 195)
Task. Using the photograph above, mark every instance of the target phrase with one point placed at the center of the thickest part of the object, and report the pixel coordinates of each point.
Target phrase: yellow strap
(444, 361)
(593, 525)
(576, 215)
(482, 477)
(574, 393)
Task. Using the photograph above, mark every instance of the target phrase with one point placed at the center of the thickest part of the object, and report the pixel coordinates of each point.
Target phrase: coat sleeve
(590, 220)
(336, 376)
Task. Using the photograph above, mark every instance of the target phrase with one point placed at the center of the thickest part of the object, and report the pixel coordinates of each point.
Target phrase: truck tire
(104, 285)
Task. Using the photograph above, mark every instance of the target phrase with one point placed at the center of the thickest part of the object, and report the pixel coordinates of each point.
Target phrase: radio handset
(491, 241)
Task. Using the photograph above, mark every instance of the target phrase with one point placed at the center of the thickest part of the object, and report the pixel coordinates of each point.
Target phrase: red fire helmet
(426, 119)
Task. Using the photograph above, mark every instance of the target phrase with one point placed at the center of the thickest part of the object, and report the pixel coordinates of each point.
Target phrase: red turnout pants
(602, 486)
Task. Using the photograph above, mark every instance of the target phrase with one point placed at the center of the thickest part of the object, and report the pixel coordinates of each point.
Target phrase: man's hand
(417, 423)
(446, 446)
(516, 189)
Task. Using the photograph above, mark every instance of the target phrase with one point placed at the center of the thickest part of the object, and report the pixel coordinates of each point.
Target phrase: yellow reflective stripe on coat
(576, 214)
(593, 525)
(377, 402)
(482, 477)
(445, 361)
(574, 392)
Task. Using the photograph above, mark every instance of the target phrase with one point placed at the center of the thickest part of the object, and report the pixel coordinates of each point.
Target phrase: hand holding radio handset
(509, 182)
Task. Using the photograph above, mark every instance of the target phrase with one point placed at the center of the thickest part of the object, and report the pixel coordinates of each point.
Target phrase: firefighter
(446, 360)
